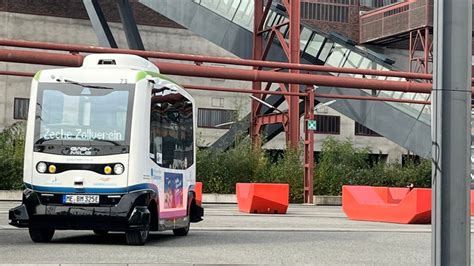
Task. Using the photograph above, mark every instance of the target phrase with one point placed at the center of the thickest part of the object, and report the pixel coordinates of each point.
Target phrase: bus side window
(156, 136)
(171, 131)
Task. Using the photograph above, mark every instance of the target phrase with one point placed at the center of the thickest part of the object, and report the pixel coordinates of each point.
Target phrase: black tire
(101, 232)
(41, 235)
(182, 231)
(137, 237)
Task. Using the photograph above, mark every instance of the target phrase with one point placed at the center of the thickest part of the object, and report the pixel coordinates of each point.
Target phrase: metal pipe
(222, 89)
(370, 98)
(209, 59)
(292, 78)
(16, 73)
(40, 58)
(20, 56)
(300, 94)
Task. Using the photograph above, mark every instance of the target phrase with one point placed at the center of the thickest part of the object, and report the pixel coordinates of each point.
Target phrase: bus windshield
(68, 114)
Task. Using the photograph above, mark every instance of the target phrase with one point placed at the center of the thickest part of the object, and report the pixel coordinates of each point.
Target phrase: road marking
(322, 230)
(331, 229)
(288, 229)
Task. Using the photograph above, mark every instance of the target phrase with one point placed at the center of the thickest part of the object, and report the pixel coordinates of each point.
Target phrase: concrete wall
(78, 31)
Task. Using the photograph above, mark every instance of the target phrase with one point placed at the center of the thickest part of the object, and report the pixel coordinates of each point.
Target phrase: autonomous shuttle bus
(110, 146)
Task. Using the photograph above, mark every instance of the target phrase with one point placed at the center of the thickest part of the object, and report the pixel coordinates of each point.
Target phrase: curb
(10, 195)
(327, 200)
(219, 198)
(15, 195)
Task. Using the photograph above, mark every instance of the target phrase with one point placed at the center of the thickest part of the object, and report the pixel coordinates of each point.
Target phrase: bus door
(171, 148)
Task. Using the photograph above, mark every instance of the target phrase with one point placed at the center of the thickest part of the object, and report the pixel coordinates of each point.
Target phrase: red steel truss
(420, 39)
(290, 121)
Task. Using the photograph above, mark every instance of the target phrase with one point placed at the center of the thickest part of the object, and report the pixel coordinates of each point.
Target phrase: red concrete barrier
(262, 197)
(472, 202)
(198, 191)
(383, 204)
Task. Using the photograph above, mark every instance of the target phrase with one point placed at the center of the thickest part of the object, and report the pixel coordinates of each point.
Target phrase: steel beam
(274, 118)
(99, 24)
(130, 28)
(451, 234)
(308, 147)
(294, 58)
(257, 52)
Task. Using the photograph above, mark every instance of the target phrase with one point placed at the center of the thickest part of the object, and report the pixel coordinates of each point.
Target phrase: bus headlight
(52, 168)
(118, 169)
(107, 170)
(41, 167)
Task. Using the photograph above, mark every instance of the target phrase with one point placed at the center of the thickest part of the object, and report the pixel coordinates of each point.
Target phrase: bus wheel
(182, 231)
(137, 237)
(41, 235)
(101, 232)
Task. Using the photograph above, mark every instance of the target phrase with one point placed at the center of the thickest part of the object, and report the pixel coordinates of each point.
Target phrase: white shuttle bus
(110, 146)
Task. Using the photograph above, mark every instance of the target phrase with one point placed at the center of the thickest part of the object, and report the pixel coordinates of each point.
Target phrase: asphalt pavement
(305, 235)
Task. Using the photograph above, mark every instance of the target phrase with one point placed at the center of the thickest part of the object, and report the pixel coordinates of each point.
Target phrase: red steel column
(308, 146)
(256, 55)
(410, 52)
(293, 105)
(427, 48)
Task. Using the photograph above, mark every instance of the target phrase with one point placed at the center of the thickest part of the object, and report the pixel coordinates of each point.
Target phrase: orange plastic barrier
(198, 191)
(383, 204)
(262, 197)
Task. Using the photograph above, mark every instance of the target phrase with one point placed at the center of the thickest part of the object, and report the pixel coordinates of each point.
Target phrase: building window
(378, 3)
(361, 130)
(328, 124)
(326, 12)
(20, 108)
(377, 158)
(215, 118)
(410, 159)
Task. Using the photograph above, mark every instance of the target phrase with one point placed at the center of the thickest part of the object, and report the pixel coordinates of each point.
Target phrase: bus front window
(68, 114)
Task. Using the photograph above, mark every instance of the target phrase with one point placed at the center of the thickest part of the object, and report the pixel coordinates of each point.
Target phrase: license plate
(81, 199)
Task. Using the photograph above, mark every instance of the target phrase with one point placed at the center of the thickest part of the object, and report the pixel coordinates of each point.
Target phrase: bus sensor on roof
(107, 62)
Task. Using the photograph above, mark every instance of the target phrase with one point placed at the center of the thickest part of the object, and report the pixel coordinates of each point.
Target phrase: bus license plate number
(81, 199)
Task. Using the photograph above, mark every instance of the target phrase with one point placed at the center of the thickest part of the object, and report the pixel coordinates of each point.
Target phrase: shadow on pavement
(115, 238)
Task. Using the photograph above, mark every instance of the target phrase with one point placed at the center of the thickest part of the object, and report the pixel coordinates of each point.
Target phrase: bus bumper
(122, 216)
